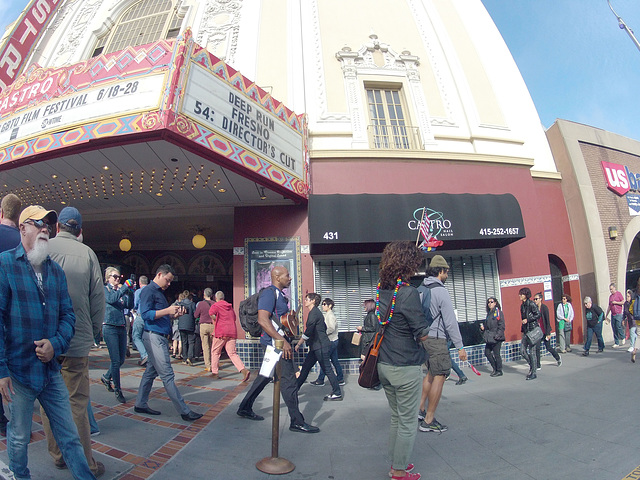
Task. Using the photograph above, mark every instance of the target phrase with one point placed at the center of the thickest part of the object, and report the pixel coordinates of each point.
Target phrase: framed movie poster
(261, 255)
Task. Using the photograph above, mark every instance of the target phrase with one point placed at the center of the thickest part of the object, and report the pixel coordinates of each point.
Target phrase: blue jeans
(333, 356)
(136, 335)
(597, 329)
(116, 340)
(54, 399)
(618, 328)
(159, 364)
(92, 420)
(454, 365)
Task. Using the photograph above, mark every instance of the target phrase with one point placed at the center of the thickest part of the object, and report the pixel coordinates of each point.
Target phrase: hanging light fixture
(125, 243)
(260, 190)
(199, 240)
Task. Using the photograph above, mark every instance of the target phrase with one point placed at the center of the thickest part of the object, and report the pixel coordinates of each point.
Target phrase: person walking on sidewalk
(206, 326)
(114, 329)
(565, 315)
(443, 328)
(157, 315)
(84, 281)
(273, 304)
(37, 317)
(332, 332)
(138, 323)
(616, 303)
(594, 316)
(546, 330)
(530, 315)
(493, 333)
(316, 337)
(225, 336)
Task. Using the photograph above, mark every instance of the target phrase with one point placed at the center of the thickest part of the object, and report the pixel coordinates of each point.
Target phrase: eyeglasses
(38, 223)
(491, 301)
(324, 304)
(114, 275)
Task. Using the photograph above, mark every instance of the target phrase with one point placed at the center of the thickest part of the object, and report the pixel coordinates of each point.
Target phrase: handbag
(535, 335)
(368, 377)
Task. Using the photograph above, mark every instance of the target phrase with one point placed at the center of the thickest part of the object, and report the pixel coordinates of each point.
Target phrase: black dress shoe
(304, 428)
(147, 410)
(532, 376)
(251, 415)
(191, 416)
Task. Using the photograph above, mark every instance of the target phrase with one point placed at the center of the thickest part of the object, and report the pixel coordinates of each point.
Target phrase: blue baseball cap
(70, 213)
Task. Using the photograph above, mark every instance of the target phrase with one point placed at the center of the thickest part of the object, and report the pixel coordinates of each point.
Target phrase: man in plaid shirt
(36, 326)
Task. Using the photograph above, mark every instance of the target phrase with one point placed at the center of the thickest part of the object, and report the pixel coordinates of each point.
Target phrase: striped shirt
(29, 313)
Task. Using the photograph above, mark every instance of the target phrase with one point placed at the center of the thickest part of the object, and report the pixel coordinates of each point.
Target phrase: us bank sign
(623, 182)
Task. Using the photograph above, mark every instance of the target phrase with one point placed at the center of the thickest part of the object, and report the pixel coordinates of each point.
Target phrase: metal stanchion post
(274, 464)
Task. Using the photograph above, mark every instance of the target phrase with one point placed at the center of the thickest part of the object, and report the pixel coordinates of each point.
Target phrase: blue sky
(576, 62)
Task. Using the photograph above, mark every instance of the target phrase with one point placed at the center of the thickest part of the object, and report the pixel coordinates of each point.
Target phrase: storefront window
(472, 279)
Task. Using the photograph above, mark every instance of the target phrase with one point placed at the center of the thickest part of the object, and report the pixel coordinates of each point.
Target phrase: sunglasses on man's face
(38, 223)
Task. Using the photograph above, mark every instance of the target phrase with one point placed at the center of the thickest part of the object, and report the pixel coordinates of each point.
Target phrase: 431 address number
(330, 235)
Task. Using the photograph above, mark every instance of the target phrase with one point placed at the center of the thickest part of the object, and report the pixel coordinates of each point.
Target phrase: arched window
(143, 22)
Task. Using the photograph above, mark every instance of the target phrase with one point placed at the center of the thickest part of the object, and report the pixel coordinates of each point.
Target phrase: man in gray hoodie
(443, 327)
(84, 280)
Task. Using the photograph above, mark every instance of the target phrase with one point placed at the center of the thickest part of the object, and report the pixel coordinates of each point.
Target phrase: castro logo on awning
(619, 178)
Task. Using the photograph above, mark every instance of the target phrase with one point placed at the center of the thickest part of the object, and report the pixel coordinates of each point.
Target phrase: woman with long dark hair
(401, 355)
(493, 329)
(530, 314)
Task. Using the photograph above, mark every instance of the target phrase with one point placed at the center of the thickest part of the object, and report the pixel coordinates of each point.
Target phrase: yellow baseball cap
(36, 212)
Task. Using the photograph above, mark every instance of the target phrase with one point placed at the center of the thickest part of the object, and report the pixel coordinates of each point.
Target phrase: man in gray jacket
(84, 280)
(443, 327)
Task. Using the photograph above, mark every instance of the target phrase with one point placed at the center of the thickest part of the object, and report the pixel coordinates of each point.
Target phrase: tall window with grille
(389, 128)
(143, 22)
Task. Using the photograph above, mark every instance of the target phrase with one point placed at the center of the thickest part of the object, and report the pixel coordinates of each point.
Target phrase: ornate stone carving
(78, 28)
(218, 30)
(378, 58)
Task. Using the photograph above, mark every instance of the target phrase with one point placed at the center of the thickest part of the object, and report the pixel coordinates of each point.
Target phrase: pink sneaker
(408, 469)
(408, 476)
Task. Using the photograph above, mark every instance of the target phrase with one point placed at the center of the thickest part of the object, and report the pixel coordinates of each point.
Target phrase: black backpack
(425, 298)
(248, 313)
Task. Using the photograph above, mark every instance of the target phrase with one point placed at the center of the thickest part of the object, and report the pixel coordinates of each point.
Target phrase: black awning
(367, 222)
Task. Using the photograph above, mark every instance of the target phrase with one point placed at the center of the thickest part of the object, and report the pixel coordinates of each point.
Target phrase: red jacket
(225, 319)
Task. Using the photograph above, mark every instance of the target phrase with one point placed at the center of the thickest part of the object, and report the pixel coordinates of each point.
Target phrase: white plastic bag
(271, 357)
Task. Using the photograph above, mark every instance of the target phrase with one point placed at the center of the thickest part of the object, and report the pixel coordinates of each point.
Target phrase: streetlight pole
(624, 26)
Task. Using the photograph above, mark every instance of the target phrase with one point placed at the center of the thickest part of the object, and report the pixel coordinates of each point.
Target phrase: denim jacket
(116, 302)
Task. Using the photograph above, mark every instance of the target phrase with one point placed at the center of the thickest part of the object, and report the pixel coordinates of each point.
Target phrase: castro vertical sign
(23, 38)
(216, 104)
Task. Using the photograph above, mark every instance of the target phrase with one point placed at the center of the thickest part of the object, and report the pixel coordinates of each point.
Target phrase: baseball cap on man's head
(70, 214)
(438, 261)
(36, 212)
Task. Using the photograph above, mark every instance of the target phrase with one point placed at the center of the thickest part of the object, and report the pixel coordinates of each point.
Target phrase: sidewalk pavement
(574, 421)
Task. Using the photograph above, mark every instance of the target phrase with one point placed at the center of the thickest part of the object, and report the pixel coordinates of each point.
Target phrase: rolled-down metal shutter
(472, 279)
